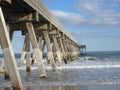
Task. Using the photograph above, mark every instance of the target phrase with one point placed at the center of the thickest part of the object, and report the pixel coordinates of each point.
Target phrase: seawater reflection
(53, 88)
(46, 88)
(68, 87)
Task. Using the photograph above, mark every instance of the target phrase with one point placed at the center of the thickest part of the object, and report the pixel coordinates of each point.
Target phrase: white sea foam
(76, 67)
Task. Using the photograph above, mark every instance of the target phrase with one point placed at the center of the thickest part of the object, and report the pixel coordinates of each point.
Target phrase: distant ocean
(94, 71)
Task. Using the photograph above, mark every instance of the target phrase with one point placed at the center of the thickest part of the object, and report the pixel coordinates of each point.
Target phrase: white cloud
(92, 12)
(102, 11)
(95, 34)
(69, 17)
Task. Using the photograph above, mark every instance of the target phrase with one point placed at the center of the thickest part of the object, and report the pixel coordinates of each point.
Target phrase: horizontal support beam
(37, 26)
(21, 17)
(8, 1)
(43, 11)
(54, 32)
(45, 26)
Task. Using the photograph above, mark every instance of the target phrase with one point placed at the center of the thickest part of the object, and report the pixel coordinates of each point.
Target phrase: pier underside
(39, 27)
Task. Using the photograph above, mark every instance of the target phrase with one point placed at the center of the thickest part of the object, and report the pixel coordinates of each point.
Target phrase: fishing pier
(40, 28)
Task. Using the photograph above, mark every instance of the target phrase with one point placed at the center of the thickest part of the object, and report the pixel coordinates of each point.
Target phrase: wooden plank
(9, 55)
(37, 51)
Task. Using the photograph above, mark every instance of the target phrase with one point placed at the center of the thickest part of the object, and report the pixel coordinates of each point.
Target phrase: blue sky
(95, 23)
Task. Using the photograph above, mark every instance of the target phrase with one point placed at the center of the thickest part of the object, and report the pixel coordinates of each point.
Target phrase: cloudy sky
(95, 23)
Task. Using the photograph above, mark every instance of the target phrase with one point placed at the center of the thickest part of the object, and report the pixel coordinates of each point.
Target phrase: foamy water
(94, 69)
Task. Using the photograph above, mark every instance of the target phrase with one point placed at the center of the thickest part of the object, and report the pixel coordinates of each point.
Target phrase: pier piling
(40, 28)
(49, 52)
(37, 51)
(9, 55)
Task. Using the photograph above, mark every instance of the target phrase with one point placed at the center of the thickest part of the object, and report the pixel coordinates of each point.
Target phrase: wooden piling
(33, 59)
(9, 55)
(54, 51)
(63, 50)
(23, 54)
(28, 64)
(49, 53)
(4, 68)
(57, 50)
(37, 51)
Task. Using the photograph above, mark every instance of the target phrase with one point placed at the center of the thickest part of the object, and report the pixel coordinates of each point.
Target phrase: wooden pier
(39, 27)
(83, 50)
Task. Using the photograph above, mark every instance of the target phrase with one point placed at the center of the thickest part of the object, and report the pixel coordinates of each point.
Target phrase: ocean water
(94, 71)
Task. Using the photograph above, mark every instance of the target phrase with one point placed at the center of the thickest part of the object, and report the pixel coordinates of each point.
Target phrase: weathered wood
(8, 1)
(57, 50)
(3, 68)
(23, 54)
(39, 40)
(37, 51)
(22, 17)
(43, 11)
(49, 53)
(54, 51)
(46, 26)
(33, 59)
(69, 51)
(6, 73)
(28, 64)
(44, 46)
(9, 55)
(18, 27)
(40, 43)
(72, 51)
(53, 32)
(61, 45)
(65, 53)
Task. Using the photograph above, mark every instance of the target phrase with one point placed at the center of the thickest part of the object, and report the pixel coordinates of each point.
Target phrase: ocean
(94, 71)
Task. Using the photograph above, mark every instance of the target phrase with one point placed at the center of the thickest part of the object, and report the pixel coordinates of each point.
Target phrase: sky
(95, 23)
